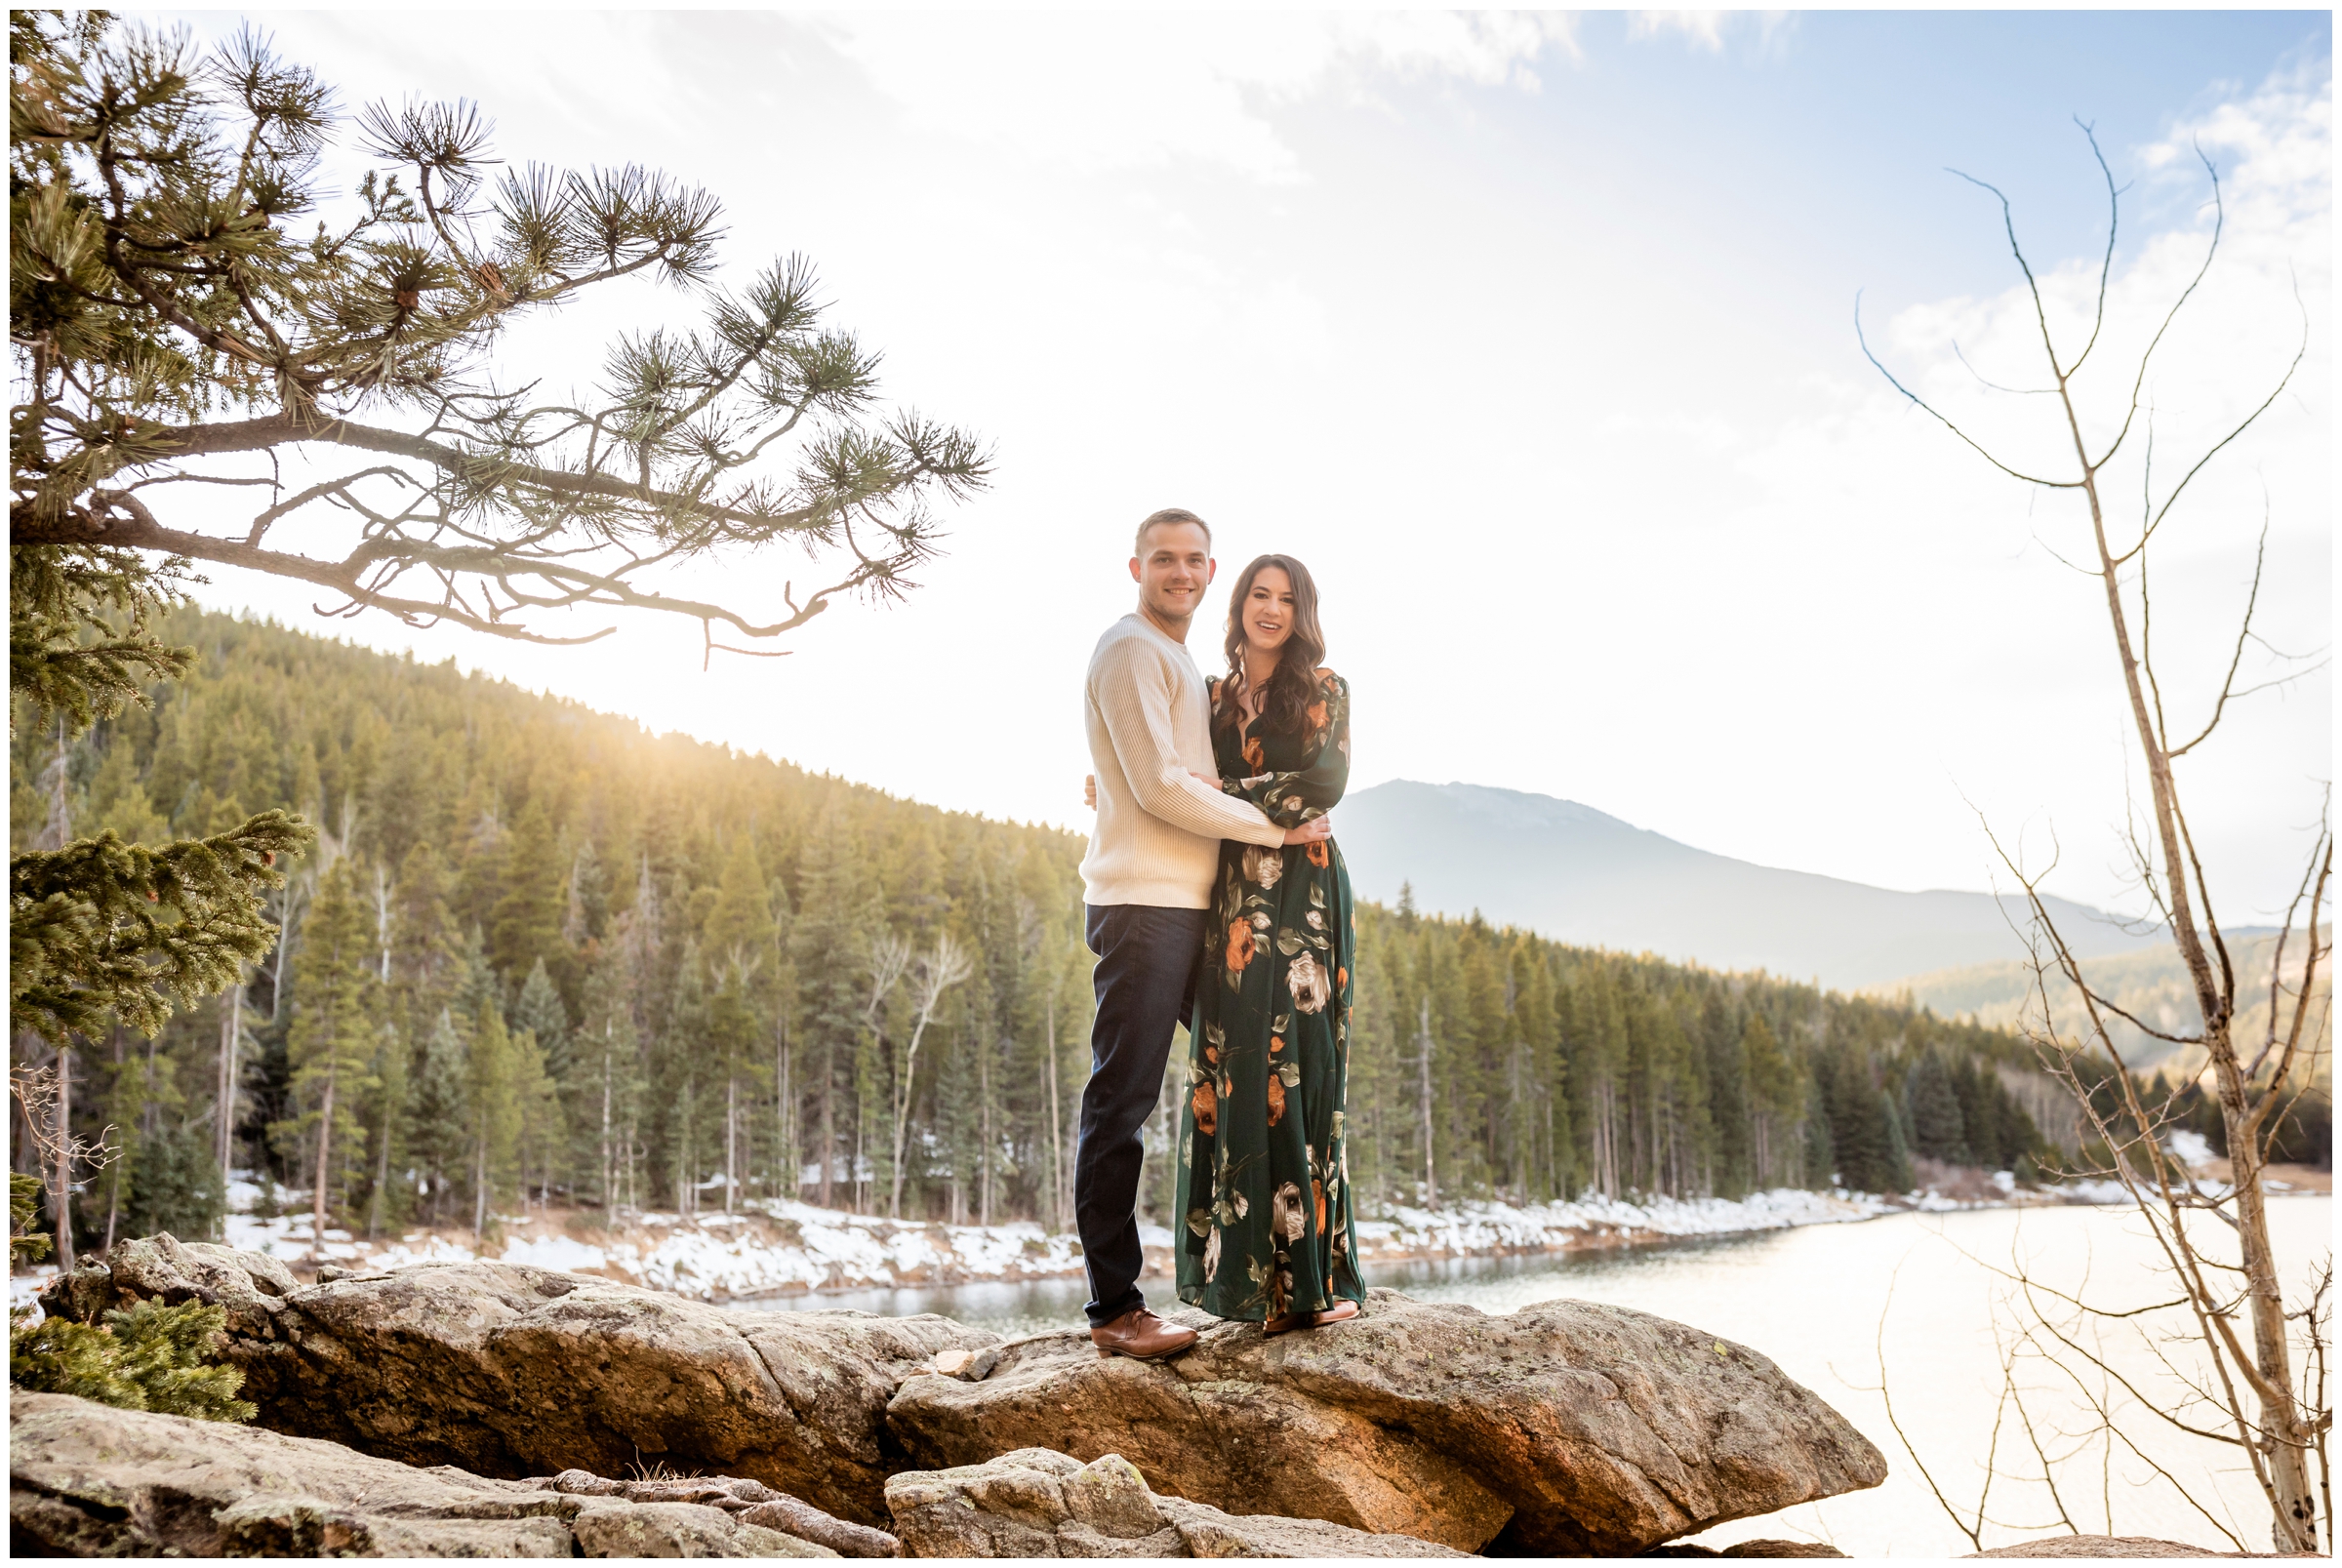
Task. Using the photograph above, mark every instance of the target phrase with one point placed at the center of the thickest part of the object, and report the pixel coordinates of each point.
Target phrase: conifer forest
(539, 956)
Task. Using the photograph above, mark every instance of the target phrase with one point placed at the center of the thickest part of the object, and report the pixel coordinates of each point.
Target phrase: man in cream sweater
(1148, 884)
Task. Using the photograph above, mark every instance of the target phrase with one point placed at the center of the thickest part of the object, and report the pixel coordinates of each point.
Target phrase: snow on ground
(773, 1248)
(1473, 1228)
(781, 1248)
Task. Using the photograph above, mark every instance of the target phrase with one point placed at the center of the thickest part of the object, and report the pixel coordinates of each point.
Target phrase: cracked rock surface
(1564, 1429)
(88, 1480)
(1037, 1504)
(505, 1370)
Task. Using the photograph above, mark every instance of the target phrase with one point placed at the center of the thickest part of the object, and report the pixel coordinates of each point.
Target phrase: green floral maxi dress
(1264, 1185)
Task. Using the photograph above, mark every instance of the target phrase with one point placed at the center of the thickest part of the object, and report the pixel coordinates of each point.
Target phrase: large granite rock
(1564, 1429)
(88, 1480)
(1037, 1504)
(750, 1501)
(505, 1370)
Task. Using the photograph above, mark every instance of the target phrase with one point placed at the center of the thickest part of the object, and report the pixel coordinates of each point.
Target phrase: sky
(1534, 337)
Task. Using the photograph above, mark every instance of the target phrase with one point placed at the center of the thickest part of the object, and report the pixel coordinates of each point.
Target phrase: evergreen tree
(494, 1111)
(437, 1118)
(525, 918)
(827, 945)
(100, 929)
(389, 1202)
(678, 1141)
(334, 1033)
(738, 936)
(538, 1011)
(542, 1129)
(605, 1083)
(166, 314)
(1775, 1098)
(1938, 1128)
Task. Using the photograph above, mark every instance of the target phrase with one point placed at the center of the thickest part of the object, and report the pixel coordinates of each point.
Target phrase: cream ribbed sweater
(1160, 827)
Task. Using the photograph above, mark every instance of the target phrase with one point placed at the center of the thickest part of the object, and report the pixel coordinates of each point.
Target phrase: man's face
(1174, 570)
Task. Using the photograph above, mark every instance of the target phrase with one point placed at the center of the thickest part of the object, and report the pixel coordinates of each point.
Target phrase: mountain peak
(1582, 875)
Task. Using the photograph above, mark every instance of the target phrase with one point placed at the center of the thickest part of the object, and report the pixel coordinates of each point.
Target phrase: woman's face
(1268, 610)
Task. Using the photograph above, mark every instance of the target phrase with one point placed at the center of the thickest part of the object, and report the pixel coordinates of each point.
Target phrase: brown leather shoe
(1142, 1336)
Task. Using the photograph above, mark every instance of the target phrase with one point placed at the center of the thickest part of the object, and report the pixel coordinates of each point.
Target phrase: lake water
(1817, 1301)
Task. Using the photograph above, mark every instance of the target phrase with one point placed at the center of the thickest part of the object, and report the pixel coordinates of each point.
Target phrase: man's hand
(1315, 831)
(1089, 791)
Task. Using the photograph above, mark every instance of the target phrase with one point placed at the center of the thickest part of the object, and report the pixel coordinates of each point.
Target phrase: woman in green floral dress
(1264, 1185)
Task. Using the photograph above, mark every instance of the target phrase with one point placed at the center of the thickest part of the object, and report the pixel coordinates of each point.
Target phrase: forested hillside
(542, 956)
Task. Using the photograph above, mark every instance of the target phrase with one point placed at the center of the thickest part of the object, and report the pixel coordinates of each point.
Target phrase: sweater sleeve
(1315, 788)
(1132, 694)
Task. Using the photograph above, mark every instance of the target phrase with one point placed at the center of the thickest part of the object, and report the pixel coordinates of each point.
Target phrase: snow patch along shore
(774, 1249)
(1474, 1230)
(767, 1249)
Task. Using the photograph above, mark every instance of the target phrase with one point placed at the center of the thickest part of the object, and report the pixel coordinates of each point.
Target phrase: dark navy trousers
(1146, 983)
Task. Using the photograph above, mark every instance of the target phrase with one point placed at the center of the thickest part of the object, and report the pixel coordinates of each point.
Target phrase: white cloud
(1706, 29)
(1111, 91)
(2273, 145)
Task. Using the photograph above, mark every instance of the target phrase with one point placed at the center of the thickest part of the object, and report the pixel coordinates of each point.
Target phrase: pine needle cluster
(101, 929)
(173, 325)
(149, 1357)
(25, 1245)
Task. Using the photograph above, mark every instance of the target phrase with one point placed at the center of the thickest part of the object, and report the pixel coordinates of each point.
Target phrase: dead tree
(2277, 1421)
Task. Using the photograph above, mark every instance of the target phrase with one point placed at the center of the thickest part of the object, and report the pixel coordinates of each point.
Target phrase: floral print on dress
(1263, 1174)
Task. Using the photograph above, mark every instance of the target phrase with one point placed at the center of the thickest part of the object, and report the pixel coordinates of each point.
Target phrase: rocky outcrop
(1037, 1504)
(1566, 1428)
(505, 1370)
(751, 1501)
(88, 1480)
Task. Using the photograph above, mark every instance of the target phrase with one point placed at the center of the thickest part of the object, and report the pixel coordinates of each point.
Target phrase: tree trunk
(683, 1154)
(785, 1156)
(113, 1186)
(325, 1136)
(2287, 1436)
(829, 1121)
(731, 1138)
(381, 1174)
(984, 1164)
(1553, 1155)
(1422, 1059)
(284, 942)
(2294, 1527)
(609, 1176)
(231, 1029)
(1058, 1198)
(63, 1207)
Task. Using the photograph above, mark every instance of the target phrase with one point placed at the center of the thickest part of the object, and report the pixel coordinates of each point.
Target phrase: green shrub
(25, 1245)
(150, 1357)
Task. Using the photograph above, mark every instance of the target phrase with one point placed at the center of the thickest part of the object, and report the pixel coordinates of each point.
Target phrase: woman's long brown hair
(1294, 687)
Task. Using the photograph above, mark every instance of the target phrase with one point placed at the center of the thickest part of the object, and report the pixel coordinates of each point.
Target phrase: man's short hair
(1168, 515)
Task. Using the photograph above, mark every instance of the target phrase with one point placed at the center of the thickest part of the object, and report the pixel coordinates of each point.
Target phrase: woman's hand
(1089, 791)
(1317, 830)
